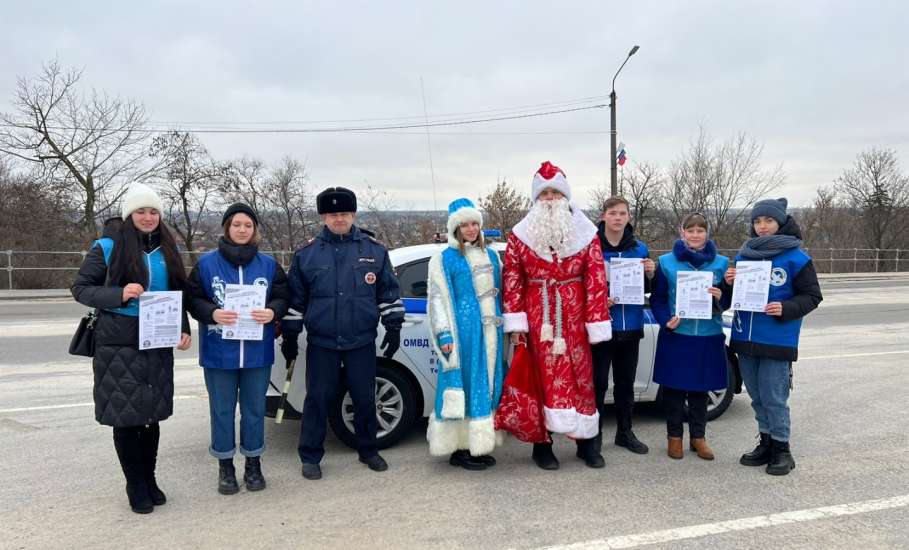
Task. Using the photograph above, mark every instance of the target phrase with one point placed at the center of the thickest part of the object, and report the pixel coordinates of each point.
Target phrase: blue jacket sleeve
(391, 308)
(292, 323)
(659, 298)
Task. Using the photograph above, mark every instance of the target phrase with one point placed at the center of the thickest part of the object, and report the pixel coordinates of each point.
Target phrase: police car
(405, 384)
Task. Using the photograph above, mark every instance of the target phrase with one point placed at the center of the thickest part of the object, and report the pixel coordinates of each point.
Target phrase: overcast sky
(815, 82)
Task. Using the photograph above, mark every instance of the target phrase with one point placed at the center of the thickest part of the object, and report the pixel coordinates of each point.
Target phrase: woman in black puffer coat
(133, 389)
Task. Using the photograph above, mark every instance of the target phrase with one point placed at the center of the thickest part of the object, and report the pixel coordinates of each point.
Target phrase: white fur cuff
(482, 436)
(599, 332)
(587, 426)
(453, 404)
(516, 322)
(560, 421)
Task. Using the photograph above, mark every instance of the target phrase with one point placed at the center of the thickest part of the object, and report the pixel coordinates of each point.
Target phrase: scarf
(697, 258)
(237, 254)
(788, 237)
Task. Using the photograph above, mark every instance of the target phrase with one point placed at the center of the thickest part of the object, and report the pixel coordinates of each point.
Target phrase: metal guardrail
(826, 260)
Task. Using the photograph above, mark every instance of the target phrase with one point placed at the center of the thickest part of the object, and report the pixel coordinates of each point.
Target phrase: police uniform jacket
(342, 286)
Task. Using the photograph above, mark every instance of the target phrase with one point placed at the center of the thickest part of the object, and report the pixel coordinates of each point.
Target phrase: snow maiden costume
(465, 311)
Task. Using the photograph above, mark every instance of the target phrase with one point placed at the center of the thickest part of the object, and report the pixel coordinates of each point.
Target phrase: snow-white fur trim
(588, 425)
(516, 322)
(547, 333)
(476, 435)
(559, 346)
(482, 436)
(571, 423)
(441, 317)
(584, 233)
(461, 215)
(453, 403)
(560, 421)
(558, 182)
(599, 332)
(446, 436)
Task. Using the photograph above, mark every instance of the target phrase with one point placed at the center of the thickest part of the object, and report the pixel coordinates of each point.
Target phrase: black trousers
(622, 355)
(674, 402)
(323, 376)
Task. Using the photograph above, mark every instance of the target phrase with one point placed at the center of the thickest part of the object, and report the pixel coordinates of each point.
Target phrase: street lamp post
(614, 180)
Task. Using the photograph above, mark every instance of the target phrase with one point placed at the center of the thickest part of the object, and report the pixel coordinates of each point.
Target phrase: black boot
(781, 461)
(544, 457)
(129, 451)
(227, 477)
(760, 455)
(627, 439)
(588, 452)
(151, 435)
(463, 459)
(252, 476)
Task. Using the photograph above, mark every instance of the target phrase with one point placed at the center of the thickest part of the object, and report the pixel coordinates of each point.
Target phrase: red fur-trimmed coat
(568, 402)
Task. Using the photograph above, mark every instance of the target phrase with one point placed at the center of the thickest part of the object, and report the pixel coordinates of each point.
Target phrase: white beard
(551, 227)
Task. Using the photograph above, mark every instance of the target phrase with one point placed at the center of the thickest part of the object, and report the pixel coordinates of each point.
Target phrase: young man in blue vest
(618, 241)
(767, 343)
(343, 286)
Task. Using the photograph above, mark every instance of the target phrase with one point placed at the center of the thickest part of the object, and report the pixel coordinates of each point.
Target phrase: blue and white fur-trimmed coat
(465, 310)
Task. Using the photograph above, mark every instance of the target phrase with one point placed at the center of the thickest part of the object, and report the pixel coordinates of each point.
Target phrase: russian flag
(621, 157)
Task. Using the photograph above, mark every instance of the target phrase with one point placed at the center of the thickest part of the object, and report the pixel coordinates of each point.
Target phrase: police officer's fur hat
(336, 199)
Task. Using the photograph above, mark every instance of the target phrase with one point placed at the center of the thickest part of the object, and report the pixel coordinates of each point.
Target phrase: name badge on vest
(367, 260)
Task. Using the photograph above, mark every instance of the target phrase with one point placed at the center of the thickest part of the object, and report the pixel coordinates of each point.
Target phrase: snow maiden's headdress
(460, 211)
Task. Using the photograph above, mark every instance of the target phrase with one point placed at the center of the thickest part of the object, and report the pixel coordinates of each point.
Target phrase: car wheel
(395, 410)
(719, 401)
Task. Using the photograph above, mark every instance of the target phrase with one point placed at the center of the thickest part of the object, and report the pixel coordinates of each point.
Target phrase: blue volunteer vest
(761, 328)
(670, 266)
(215, 272)
(157, 269)
(627, 317)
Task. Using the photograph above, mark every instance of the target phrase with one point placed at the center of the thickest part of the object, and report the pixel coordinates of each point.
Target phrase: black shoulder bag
(83, 342)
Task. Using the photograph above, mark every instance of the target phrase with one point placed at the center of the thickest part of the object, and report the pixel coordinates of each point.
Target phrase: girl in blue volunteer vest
(767, 343)
(133, 389)
(237, 368)
(691, 356)
(465, 315)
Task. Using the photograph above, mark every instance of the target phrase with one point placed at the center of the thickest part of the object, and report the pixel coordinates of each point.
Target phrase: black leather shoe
(760, 455)
(544, 457)
(628, 440)
(486, 460)
(464, 460)
(252, 476)
(589, 454)
(312, 471)
(375, 462)
(781, 461)
(139, 501)
(227, 477)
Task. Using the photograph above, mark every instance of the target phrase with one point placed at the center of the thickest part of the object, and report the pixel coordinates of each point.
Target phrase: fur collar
(584, 232)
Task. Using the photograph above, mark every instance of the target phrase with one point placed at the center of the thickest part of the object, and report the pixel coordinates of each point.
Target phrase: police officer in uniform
(343, 285)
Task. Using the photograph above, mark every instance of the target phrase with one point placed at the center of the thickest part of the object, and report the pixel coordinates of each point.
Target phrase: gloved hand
(391, 343)
(289, 346)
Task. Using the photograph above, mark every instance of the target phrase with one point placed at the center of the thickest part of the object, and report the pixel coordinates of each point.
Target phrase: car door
(415, 334)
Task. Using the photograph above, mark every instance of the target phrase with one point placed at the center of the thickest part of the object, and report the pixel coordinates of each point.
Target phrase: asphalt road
(60, 484)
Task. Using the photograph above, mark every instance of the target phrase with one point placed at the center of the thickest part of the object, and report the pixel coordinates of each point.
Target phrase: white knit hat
(139, 196)
(549, 175)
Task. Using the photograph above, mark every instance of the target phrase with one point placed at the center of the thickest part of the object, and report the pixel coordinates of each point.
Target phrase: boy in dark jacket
(617, 241)
(767, 343)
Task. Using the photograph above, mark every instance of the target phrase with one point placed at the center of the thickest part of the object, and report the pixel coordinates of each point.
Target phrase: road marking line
(847, 355)
(742, 524)
(72, 405)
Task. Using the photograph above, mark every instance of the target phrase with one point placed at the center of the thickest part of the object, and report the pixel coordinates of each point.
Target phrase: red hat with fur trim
(549, 175)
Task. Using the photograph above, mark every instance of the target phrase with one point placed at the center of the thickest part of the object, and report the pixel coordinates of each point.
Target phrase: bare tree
(876, 186)
(281, 196)
(90, 144)
(504, 207)
(377, 205)
(187, 182)
(721, 181)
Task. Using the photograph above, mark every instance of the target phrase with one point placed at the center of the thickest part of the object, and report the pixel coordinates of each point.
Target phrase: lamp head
(634, 50)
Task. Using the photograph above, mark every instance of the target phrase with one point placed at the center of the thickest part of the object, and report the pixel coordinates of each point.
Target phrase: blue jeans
(767, 381)
(224, 386)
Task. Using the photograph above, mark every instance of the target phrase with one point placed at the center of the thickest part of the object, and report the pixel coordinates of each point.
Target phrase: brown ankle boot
(675, 448)
(699, 445)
